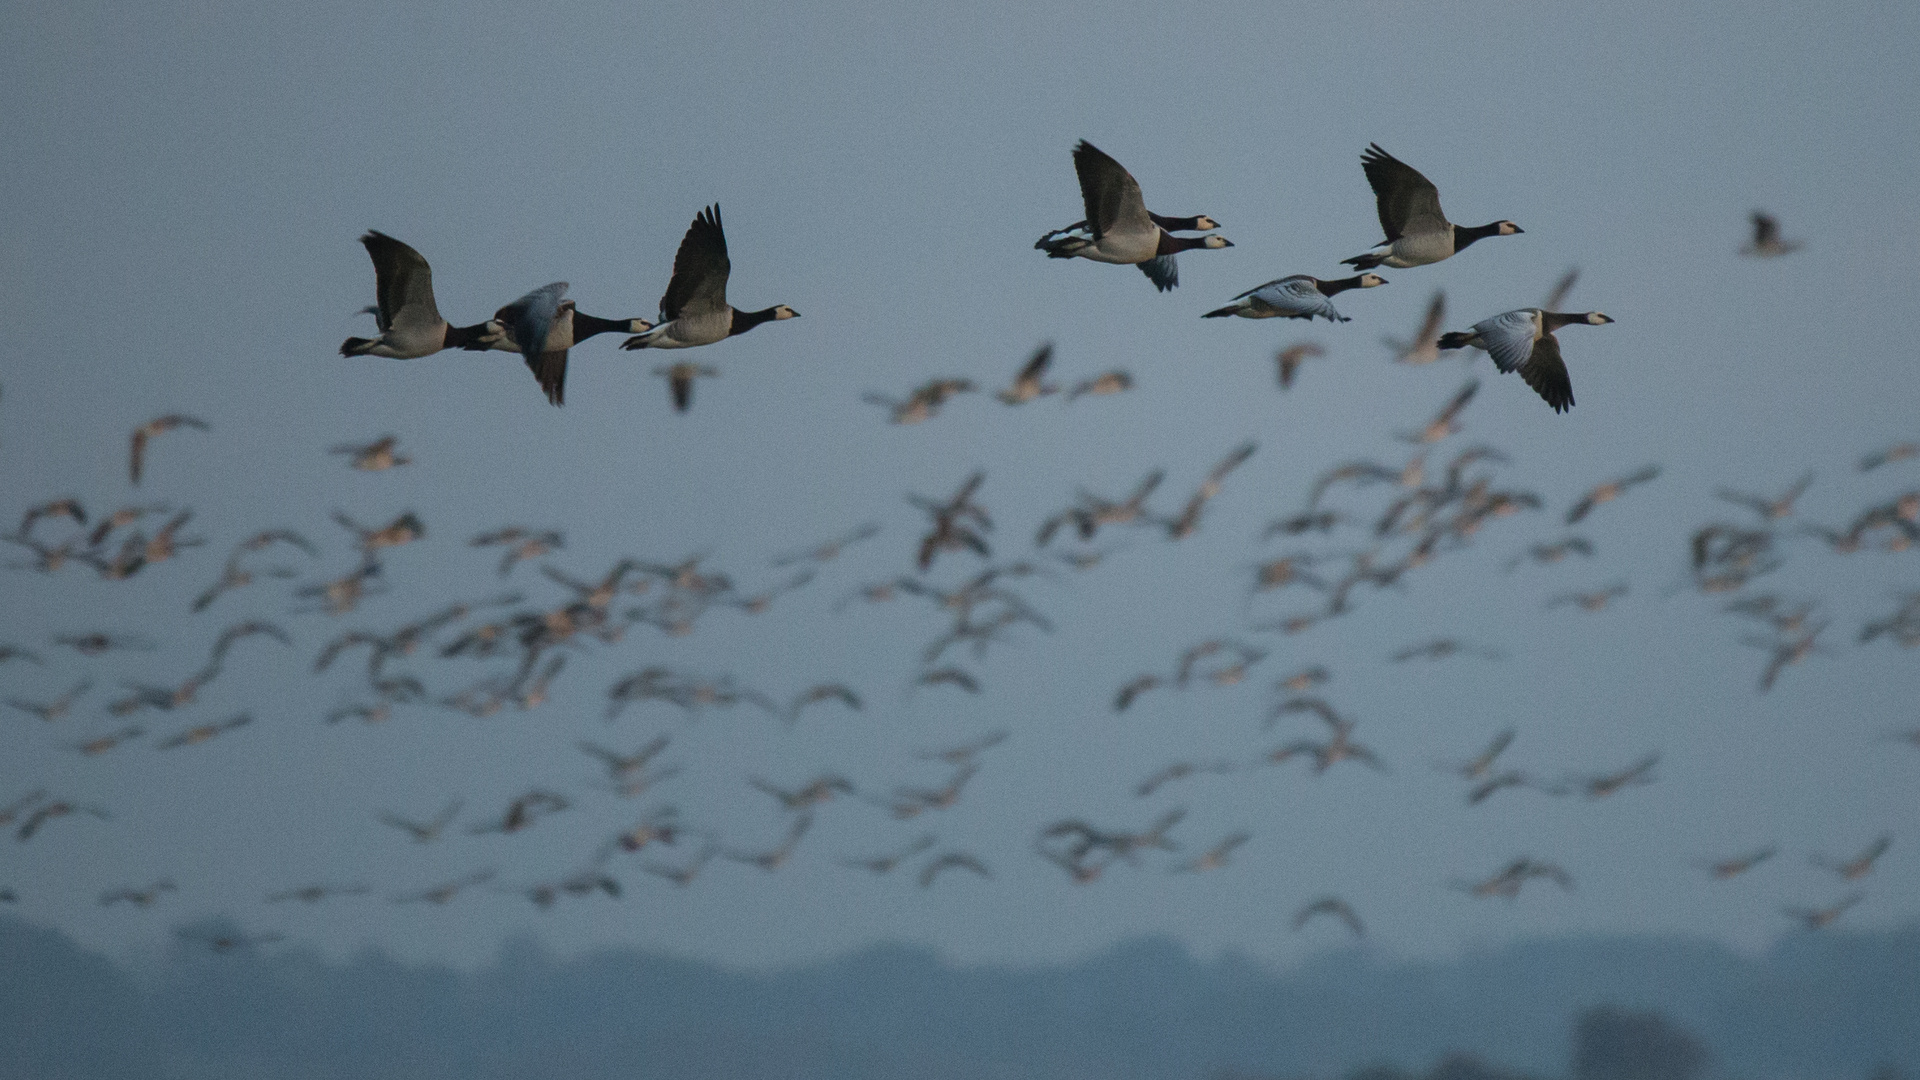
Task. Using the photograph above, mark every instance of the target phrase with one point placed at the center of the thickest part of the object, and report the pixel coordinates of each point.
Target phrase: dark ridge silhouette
(1625, 1008)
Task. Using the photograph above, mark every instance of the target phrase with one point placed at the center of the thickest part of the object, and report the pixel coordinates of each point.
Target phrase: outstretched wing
(700, 270)
(1162, 271)
(1546, 372)
(1407, 201)
(403, 283)
(1111, 195)
(1037, 366)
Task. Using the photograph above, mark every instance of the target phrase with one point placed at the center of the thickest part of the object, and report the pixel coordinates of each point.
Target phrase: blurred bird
(1214, 857)
(1739, 864)
(423, 832)
(159, 426)
(376, 456)
(1111, 382)
(1290, 358)
(680, 378)
(1329, 905)
(1860, 865)
(885, 864)
(1447, 421)
(1768, 509)
(1029, 384)
(1425, 346)
(1817, 918)
(1609, 491)
(1766, 242)
(952, 860)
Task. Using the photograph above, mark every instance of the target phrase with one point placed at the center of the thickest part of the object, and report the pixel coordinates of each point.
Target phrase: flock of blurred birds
(1404, 513)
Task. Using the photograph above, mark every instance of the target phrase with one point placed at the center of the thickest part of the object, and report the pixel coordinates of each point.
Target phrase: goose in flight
(952, 860)
(1860, 865)
(409, 321)
(1816, 918)
(1609, 491)
(376, 456)
(1722, 869)
(694, 309)
(1768, 509)
(1297, 297)
(1766, 242)
(1118, 227)
(157, 426)
(1480, 767)
(1108, 382)
(1425, 346)
(1330, 905)
(542, 327)
(1522, 340)
(1030, 384)
(680, 379)
(1417, 231)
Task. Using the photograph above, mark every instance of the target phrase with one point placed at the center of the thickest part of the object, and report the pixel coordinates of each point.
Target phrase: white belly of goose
(687, 332)
(1420, 249)
(1123, 248)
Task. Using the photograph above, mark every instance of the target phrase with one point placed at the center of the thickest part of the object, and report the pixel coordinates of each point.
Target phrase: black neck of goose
(586, 326)
(1170, 243)
(1335, 288)
(461, 337)
(744, 321)
(1177, 224)
(1554, 320)
(1463, 236)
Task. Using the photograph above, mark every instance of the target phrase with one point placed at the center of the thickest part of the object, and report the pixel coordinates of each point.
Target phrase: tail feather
(1365, 262)
(1455, 340)
(357, 346)
(1216, 313)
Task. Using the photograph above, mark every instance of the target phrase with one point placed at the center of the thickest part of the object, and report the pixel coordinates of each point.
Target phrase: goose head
(1216, 242)
(1368, 281)
(1506, 228)
(782, 311)
(1205, 223)
(1595, 318)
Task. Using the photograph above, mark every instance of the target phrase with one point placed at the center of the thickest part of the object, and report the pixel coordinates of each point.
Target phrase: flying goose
(1425, 346)
(1030, 384)
(1110, 382)
(1522, 340)
(1291, 357)
(1417, 231)
(680, 380)
(694, 310)
(137, 460)
(409, 321)
(1118, 228)
(1766, 242)
(1296, 297)
(542, 327)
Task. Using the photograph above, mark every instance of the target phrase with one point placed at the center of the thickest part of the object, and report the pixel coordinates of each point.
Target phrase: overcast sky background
(184, 186)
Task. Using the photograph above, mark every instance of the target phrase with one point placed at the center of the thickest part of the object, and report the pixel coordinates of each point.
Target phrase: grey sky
(184, 186)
